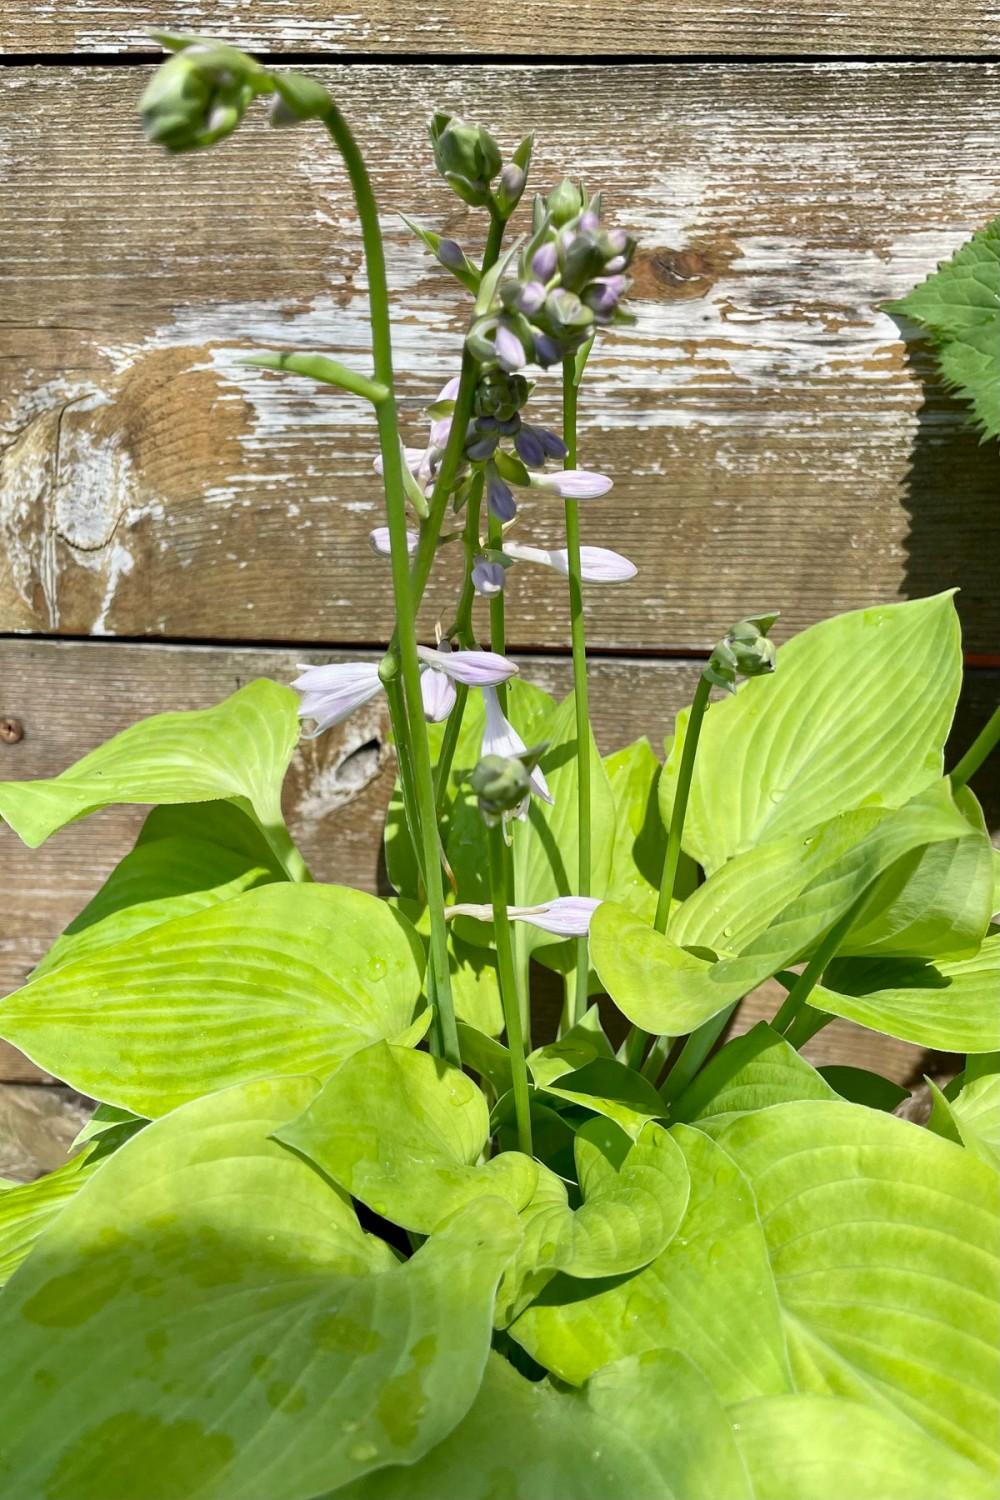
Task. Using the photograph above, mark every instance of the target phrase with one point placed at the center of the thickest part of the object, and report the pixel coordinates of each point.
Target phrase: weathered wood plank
(70, 696)
(772, 438)
(551, 26)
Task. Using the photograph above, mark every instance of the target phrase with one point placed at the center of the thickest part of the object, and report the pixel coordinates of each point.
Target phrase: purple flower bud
(574, 484)
(512, 180)
(379, 539)
(589, 222)
(617, 264)
(330, 693)
(530, 448)
(484, 447)
(488, 578)
(530, 298)
(451, 254)
(544, 261)
(438, 694)
(618, 241)
(475, 668)
(602, 297)
(547, 351)
(499, 497)
(552, 443)
(509, 349)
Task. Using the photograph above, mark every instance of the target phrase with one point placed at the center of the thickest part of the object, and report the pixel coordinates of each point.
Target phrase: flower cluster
(570, 282)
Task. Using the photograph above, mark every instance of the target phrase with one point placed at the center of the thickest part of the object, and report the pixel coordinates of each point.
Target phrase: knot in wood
(11, 730)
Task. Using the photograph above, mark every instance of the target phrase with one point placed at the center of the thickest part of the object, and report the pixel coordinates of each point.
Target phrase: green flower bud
(501, 784)
(467, 157)
(298, 98)
(565, 202)
(200, 94)
(745, 651)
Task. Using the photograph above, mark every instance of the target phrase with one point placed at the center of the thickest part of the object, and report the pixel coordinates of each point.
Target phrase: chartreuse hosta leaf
(634, 1197)
(935, 899)
(170, 873)
(948, 1003)
(751, 1072)
(609, 1088)
(645, 1427)
(640, 836)
(27, 1209)
(975, 1108)
(207, 1321)
(545, 853)
(239, 750)
(402, 1132)
(666, 988)
(856, 714)
(885, 1245)
(710, 1293)
(283, 979)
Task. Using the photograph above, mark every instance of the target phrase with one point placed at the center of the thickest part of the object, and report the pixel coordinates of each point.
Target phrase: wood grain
(546, 26)
(773, 439)
(70, 696)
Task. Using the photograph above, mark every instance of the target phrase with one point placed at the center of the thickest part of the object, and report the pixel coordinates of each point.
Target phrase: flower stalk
(508, 986)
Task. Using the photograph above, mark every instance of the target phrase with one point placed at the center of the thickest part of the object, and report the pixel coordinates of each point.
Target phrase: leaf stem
(508, 986)
(578, 637)
(410, 728)
(462, 630)
(809, 978)
(694, 1052)
(985, 742)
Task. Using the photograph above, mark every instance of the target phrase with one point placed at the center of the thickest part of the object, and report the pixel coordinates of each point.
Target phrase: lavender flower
(565, 916)
(380, 544)
(501, 738)
(475, 668)
(573, 484)
(438, 693)
(488, 578)
(597, 564)
(332, 692)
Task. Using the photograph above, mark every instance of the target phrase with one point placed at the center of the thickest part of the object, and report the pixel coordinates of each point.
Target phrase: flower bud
(512, 180)
(501, 785)
(200, 94)
(544, 262)
(298, 98)
(488, 578)
(510, 352)
(581, 259)
(565, 202)
(566, 313)
(744, 651)
(467, 157)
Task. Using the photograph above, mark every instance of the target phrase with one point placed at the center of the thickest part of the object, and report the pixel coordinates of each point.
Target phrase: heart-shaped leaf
(282, 979)
(207, 1318)
(402, 1131)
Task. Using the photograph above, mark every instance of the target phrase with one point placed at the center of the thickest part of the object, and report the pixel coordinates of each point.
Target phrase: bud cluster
(469, 160)
(744, 651)
(570, 282)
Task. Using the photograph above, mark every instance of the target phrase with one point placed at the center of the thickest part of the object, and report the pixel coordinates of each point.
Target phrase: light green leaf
(607, 1087)
(975, 1110)
(207, 1320)
(670, 990)
(710, 1294)
(282, 979)
(959, 305)
(165, 876)
(817, 1447)
(640, 838)
(475, 986)
(951, 1004)
(28, 1209)
(885, 1243)
(239, 750)
(859, 1086)
(402, 1132)
(753, 1071)
(645, 1427)
(485, 1056)
(574, 1049)
(856, 714)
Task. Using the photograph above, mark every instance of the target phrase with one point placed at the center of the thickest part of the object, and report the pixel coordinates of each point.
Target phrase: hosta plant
(347, 1219)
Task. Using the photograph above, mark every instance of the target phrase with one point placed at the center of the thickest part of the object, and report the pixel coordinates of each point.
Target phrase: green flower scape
(339, 1225)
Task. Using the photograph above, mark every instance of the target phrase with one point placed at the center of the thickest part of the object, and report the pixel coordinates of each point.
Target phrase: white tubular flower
(564, 916)
(573, 484)
(331, 693)
(597, 564)
(474, 668)
(379, 539)
(438, 693)
(501, 738)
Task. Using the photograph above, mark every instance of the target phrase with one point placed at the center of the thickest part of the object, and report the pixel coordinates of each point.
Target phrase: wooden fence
(172, 525)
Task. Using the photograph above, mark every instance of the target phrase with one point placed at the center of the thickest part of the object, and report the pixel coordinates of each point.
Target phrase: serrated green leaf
(180, 1330)
(282, 979)
(959, 305)
(885, 1243)
(644, 1427)
(950, 1003)
(238, 750)
(856, 714)
(402, 1132)
(710, 1294)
